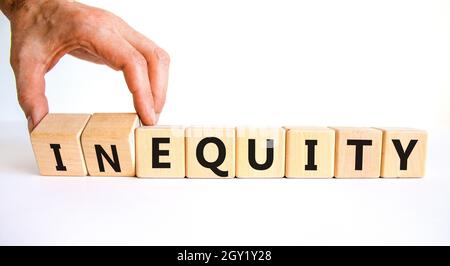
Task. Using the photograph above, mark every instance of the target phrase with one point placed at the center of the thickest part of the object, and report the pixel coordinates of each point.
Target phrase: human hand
(43, 31)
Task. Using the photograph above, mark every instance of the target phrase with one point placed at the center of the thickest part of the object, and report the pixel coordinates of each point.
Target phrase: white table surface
(109, 210)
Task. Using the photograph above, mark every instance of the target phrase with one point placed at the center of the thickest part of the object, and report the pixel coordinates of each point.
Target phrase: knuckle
(163, 56)
(23, 99)
(29, 100)
(84, 22)
(77, 19)
(81, 25)
(139, 60)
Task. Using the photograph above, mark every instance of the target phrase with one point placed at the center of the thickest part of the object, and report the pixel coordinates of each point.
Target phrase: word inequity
(115, 144)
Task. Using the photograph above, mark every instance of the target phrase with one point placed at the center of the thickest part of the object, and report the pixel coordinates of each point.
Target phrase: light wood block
(57, 146)
(358, 152)
(260, 152)
(210, 152)
(404, 152)
(160, 152)
(309, 152)
(108, 144)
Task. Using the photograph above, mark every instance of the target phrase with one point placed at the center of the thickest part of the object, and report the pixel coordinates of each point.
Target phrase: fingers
(119, 54)
(30, 84)
(135, 72)
(158, 65)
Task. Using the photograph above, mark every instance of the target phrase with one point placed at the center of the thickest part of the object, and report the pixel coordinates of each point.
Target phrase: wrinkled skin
(43, 31)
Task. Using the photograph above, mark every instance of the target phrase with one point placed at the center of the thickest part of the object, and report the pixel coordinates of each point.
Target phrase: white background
(351, 63)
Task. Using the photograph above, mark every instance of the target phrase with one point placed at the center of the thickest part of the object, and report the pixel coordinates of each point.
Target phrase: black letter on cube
(157, 153)
(252, 155)
(359, 143)
(59, 163)
(115, 164)
(220, 157)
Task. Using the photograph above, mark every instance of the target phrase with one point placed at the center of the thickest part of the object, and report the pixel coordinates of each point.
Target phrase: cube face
(57, 146)
(309, 152)
(160, 152)
(210, 152)
(108, 144)
(358, 152)
(404, 152)
(260, 152)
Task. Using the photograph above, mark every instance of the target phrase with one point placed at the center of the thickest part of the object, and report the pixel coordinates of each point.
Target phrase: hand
(45, 30)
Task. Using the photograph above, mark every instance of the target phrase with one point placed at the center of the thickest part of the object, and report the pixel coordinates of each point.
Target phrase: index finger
(158, 65)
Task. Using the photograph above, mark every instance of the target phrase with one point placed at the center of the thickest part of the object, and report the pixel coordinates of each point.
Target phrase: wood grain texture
(262, 140)
(415, 161)
(113, 133)
(196, 135)
(162, 138)
(345, 153)
(298, 141)
(65, 131)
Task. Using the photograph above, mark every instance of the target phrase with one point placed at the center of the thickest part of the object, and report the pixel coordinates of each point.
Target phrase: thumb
(30, 85)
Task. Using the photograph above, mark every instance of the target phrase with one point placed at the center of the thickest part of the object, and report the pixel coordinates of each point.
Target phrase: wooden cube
(160, 152)
(404, 152)
(309, 152)
(108, 144)
(358, 152)
(260, 152)
(210, 152)
(57, 146)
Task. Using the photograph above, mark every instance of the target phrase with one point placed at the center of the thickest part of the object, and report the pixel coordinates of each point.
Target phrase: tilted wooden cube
(210, 152)
(108, 144)
(404, 152)
(309, 152)
(260, 152)
(160, 152)
(358, 152)
(57, 146)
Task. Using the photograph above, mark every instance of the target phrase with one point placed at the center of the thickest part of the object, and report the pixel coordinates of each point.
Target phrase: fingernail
(153, 116)
(157, 118)
(30, 123)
